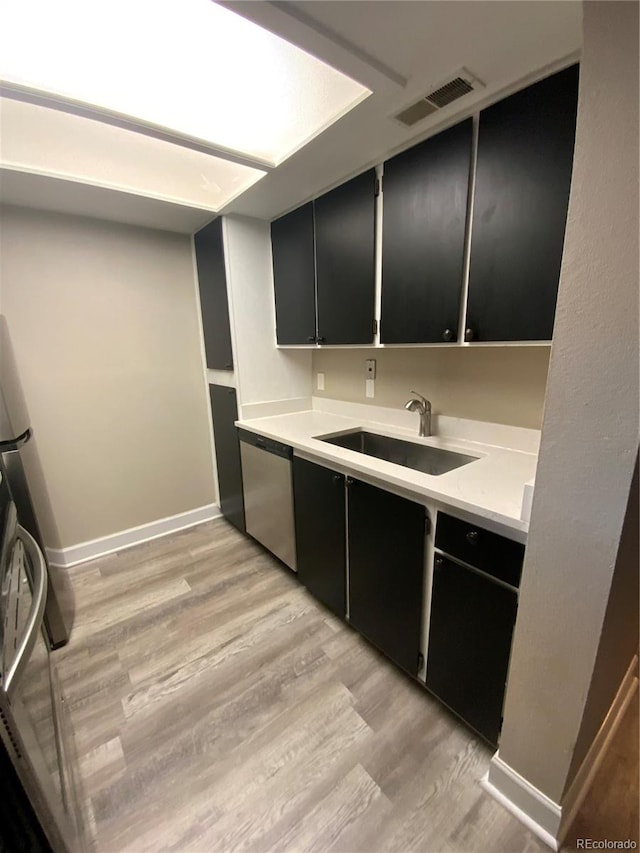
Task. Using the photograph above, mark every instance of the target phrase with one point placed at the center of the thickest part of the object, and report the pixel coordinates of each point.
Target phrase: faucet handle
(425, 402)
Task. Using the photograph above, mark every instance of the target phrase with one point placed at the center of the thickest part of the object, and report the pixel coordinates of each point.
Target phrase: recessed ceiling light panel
(190, 66)
(55, 143)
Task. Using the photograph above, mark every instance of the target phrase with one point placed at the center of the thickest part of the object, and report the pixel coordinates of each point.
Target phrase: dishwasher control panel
(267, 444)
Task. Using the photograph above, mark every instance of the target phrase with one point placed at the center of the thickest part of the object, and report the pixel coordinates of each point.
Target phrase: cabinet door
(345, 261)
(525, 157)
(212, 281)
(386, 571)
(319, 503)
(224, 411)
(424, 195)
(470, 631)
(294, 276)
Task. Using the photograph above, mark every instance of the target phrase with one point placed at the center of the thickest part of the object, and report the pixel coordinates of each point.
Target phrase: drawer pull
(472, 537)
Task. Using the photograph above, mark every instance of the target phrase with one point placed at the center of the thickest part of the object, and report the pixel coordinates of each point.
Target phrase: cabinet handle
(472, 537)
(448, 335)
(469, 335)
(320, 339)
(348, 481)
(337, 478)
(438, 563)
(311, 339)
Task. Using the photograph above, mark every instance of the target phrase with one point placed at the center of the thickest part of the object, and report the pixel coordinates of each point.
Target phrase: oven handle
(38, 602)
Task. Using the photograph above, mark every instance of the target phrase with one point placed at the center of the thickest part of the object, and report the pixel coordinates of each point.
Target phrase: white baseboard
(549, 820)
(534, 809)
(67, 557)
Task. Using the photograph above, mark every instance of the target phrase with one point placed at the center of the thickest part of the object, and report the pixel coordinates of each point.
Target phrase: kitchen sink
(420, 457)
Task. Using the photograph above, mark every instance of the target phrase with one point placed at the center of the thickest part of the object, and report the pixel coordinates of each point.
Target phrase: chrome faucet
(419, 404)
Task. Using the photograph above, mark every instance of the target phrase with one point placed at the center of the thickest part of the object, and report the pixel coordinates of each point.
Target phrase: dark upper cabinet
(319, 502)
(212, 281)
(292, 244)
(345, 261)
(224, 412)
(386, 571)
(425, 192)
(523, 177)
(324, 267)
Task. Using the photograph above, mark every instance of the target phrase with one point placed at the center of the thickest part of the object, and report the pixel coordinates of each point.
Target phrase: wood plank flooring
(217, 707)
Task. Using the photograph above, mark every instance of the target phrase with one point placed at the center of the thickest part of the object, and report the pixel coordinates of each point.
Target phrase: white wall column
(589, 436)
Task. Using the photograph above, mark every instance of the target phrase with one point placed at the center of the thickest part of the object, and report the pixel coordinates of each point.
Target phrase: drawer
(497, 556)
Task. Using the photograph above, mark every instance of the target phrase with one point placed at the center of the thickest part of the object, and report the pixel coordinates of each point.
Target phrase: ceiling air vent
(461, 84)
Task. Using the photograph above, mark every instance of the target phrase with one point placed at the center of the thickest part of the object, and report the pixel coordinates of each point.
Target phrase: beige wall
(590, 431)
(619, 639)
(104, 324)
(503, 385)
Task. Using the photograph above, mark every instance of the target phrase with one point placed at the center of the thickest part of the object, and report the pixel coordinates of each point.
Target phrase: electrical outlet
(320, 381)
(370, 368)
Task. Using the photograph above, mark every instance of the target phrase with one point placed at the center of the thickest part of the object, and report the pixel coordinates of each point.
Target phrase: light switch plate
(320, 381)
(369, 388)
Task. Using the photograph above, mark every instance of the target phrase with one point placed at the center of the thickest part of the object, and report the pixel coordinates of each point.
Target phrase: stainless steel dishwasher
(268, 494)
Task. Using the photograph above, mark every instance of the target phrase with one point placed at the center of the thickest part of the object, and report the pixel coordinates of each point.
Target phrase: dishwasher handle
(267, 444)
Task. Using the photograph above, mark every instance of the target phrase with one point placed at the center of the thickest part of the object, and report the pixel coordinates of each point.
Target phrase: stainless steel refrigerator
(38, 787)
(20, 466)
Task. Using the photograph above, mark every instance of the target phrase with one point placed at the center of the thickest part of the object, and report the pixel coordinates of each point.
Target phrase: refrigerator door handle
(36, 613)
(15, 443)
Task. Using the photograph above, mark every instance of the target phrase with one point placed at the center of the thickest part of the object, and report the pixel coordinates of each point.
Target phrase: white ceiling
(420, 40)
(399, 50)
(48, 192)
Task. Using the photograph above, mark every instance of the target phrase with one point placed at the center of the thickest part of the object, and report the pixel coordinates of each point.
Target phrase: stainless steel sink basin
(420, 457)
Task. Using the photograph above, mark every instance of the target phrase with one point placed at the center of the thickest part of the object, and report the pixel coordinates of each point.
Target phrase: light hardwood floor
(217, 707)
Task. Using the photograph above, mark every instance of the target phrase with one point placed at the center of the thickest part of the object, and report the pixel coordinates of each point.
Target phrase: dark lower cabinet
(386, 571)
(214, 304)
(294, 276)
(319, 502)
(224, 411)
(371, 569)
(471, 626)
(523, 177)
(424, 195)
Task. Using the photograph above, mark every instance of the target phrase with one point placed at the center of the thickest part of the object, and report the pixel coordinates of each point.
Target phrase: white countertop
(489, 488)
